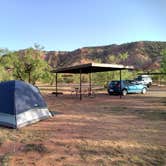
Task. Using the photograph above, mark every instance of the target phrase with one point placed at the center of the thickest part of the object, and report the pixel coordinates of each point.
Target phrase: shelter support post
(90, 84)
(56, 83)
(80, 84)
(120, 72)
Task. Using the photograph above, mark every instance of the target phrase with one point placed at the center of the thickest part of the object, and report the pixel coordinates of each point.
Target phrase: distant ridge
(144, 55)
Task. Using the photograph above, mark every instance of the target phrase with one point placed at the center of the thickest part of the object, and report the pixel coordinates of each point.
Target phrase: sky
(65, 25)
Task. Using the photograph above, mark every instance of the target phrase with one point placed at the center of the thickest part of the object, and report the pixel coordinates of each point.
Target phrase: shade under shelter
(90, 68)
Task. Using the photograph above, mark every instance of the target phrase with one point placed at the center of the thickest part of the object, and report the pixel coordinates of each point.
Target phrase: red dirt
(104, 130)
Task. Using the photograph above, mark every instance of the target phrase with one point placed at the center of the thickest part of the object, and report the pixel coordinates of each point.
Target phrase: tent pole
(120, 83)
(80, 86)
(56, 83)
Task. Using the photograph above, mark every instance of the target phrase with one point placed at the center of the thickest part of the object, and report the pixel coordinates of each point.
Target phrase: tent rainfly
(21, 104)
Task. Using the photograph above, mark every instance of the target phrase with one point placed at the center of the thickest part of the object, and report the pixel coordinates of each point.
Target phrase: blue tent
(21, 104)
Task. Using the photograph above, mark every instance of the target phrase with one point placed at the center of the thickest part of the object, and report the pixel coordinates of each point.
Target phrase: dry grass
(102, 131)
(40, 148)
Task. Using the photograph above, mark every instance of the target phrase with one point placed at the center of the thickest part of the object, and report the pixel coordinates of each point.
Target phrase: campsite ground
(104, 130)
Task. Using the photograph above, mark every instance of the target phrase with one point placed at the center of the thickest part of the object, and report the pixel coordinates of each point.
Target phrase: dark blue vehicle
(126, 87)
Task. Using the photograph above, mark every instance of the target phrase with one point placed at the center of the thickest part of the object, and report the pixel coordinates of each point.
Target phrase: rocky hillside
(143, 55)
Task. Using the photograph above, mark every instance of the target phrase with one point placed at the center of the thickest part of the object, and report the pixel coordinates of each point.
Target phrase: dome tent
(21, 104)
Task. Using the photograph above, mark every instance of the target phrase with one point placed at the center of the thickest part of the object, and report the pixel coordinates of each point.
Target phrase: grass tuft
(5, 159)
(40, 148)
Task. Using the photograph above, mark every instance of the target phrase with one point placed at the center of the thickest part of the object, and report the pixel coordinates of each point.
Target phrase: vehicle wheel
(109, 93)
(144, 90)
(149, 85)
(124, 92)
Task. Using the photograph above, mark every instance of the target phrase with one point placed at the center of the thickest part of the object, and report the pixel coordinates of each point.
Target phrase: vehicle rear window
(114, 83)
(139, 78)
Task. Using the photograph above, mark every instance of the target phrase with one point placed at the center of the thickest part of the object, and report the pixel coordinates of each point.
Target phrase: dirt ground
(100, 131)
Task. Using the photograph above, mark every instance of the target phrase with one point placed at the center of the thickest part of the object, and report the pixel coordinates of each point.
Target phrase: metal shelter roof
(92, 68)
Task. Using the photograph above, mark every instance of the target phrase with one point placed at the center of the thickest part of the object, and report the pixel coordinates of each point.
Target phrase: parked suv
(126, 87)
(144, 79)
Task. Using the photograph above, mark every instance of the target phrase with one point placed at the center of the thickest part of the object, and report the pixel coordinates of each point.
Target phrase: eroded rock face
(144, 55)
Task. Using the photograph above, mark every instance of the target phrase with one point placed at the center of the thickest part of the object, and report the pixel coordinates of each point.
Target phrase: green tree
(123, 56)
(114, 75)
(28, 65)
(117, 59)
(163, 62)
(5, 73)
(112, 59)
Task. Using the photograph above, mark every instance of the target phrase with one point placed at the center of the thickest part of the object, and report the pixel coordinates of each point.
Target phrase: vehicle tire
(149, 85)
(110, 93)
(144, 90)
(124, 92)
